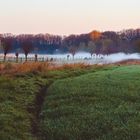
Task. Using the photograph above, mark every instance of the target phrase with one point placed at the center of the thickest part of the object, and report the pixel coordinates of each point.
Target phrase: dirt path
(36, 117)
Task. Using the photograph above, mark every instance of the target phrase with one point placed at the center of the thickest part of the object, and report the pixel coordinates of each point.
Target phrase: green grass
(101, 105)
(18, 105)
(16, 97)
(97, 103)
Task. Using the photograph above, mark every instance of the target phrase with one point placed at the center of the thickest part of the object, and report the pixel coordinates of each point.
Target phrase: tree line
(95, 42)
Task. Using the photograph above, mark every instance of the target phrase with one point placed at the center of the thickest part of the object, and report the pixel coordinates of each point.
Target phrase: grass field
(102, 105)
(70, 103)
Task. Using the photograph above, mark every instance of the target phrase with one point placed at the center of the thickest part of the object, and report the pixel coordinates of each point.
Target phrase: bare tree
(107, 46)
(27, 47)
(91, 48)
(73, 50)
(6, 45)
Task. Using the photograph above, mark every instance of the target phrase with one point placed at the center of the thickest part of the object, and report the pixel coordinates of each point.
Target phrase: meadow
(41, 101)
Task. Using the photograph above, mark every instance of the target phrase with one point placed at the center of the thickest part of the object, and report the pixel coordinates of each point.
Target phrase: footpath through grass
(102, 105)
(71, 103)
(21, 99)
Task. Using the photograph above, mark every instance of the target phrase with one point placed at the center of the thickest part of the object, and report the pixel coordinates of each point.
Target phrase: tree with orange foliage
(95, 35)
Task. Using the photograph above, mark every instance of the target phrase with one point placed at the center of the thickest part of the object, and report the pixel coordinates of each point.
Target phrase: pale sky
(64, 17)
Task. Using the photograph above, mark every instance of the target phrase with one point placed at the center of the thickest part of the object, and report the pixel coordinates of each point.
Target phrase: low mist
(83, 57)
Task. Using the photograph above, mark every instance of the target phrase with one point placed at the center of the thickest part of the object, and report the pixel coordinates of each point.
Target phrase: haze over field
(82, 57)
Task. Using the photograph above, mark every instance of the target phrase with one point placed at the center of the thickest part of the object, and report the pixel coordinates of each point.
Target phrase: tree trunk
(4, 59)
(17, 59)
(26, 57)
(36, 58)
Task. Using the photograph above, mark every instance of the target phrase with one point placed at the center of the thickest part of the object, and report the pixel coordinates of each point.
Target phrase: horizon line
(63, 35)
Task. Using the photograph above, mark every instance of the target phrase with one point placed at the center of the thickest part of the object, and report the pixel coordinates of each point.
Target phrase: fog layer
(83, 57)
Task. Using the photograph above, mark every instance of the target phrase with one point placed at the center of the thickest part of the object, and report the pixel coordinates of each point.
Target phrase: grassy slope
(104, 105)
(18, 108)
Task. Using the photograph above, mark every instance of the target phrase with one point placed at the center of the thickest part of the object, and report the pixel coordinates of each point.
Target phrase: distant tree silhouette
(6, 45)
(91, 48)
(72, 50)
(106, 46)
(27, 47)
(93, 42)
(137, 45)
